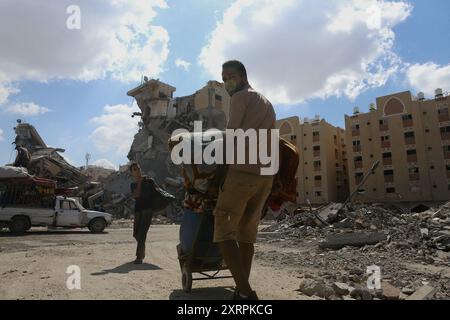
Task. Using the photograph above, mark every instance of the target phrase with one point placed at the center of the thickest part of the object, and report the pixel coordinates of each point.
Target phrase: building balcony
(318, 184)
(448, 174)
(444, 118)
(412, 159)
(408, 123)
(447, 155)
(445, 136)
(410, 141)
(385, 144)
(358, 180)
(316, 154)
(317, 168)
(358, 164)
(356, 133)
(384, 127)
(387, 162)
(414, 177)
(316, 138)
(389, 179)
(357, 149)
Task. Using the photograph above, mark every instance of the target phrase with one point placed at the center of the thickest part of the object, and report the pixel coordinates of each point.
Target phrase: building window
(388, 176)
(447, 152)
(385, 142)
(390, 190)
(414, 174)
(316, 151)
(410, 138)
(358, 161)
(317, 165)
(356, 146)
(218, 97)
(411, 156)
(387, 159)
(355, 130)
(384, 125)
(407, 117)
(407, 121)
(316, 136)
(443, 114)
(359, 177)
(445, 133)
(318, 194)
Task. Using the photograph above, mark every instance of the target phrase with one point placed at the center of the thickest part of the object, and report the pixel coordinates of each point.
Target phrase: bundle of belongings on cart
(202, 181)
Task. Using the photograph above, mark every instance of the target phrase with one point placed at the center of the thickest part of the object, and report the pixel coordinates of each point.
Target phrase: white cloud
(1, 135)
(180, 63)
(26, 109)
(295, 50)
(115, 129)
(116, 39)
(105, 163)
(428, 77)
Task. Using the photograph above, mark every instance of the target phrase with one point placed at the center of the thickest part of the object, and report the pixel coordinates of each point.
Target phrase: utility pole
(88, 158)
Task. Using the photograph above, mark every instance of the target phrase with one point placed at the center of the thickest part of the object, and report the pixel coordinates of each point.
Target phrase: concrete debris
(361, 294)
(410, 248)
(315, 288)
(338, 241)
(423, 293)
(388, 291)
(342, 289)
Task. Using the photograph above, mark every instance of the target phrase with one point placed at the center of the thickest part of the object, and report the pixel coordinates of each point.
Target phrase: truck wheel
(97, 225)
(19, 225)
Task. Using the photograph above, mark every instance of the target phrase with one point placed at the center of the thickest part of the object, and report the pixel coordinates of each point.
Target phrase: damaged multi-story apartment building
(322, 172)
(410, 136)
(161, 114)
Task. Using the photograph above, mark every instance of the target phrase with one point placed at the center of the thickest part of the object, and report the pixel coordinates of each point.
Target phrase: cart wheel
(186, 280)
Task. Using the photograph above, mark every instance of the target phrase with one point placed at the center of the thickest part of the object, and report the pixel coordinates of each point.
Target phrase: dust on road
(34, 266)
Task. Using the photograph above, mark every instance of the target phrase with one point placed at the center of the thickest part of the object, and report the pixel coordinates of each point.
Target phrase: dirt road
(34, 266)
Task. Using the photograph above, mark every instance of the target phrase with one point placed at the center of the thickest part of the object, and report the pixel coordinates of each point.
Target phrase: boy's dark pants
(142, 221)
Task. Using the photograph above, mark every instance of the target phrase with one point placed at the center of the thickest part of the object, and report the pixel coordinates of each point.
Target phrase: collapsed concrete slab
(339, 241)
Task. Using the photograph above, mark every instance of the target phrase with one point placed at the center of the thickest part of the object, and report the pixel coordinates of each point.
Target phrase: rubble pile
(412, 251)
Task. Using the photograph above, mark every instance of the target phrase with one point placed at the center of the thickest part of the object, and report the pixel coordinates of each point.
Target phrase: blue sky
(61, 81)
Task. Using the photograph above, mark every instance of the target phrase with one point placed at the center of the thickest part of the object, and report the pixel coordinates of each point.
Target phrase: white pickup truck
(67, 213)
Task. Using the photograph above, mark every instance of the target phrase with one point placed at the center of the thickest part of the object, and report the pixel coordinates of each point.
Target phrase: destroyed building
(45, 161)
(161, 114)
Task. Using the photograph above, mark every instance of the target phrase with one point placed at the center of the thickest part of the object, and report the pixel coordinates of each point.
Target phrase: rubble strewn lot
(412, 251)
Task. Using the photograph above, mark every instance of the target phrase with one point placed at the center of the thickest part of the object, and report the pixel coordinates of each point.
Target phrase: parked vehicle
(29, 202)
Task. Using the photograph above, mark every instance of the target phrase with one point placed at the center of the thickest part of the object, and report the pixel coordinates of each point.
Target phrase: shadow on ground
(217, 293)
(127, 268)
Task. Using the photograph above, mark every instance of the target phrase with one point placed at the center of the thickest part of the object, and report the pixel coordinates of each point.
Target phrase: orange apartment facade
(322, 172)
(411, 139)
